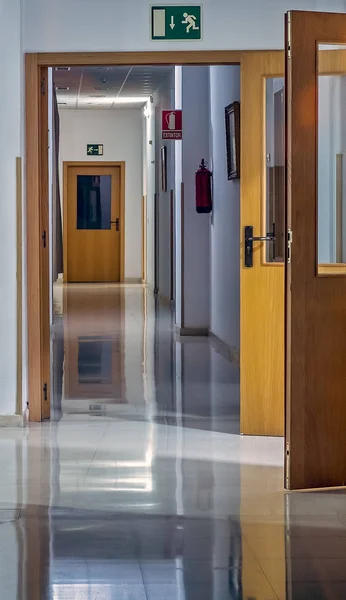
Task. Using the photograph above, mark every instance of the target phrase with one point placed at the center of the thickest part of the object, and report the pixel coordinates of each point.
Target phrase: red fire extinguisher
(203, 189)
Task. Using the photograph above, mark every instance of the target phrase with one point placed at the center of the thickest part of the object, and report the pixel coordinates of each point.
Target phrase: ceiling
(107, 87)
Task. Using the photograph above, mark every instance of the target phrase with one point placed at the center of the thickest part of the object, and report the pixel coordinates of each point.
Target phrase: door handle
(116, 223)
(249, 240)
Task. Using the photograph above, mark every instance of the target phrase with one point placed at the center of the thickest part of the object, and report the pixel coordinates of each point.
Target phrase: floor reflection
(141, 488)
(113, 345)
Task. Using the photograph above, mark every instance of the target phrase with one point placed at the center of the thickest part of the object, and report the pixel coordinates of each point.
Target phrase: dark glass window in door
(94, 201)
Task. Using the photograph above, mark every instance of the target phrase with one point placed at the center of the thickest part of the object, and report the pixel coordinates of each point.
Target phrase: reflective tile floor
(141, 488)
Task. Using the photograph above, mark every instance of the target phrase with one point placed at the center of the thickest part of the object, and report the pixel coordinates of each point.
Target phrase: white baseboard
(192, 331)
(129, 280)
(12, 421)
(164, 299)
(230, 353)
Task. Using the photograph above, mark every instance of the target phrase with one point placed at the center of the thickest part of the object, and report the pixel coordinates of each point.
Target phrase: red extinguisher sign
(172, 124)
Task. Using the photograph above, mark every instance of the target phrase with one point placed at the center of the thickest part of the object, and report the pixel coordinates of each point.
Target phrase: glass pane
(331, 157)
(94, 201)
(94, 360)
(275, 168)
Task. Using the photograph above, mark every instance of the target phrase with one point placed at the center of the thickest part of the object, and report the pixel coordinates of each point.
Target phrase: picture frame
(164, 169)
(232, 119)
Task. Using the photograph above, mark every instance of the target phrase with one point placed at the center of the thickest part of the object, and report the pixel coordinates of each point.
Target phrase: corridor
(140, 487)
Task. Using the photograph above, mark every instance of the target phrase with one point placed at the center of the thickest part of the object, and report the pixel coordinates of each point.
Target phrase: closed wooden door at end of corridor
(93, 222)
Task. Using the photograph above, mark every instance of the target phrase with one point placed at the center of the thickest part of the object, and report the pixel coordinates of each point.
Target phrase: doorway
(94, 224)
(252, 127)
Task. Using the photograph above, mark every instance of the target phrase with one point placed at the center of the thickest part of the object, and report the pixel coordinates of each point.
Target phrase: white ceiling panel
(105, 87)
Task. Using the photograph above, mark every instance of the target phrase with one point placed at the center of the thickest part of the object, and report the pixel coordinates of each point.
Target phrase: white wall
(225, 228)
(164, 99)
(63, 25)
(10, 130)
(149, 178)
(195, 146)
(120, 131)
(178, 160)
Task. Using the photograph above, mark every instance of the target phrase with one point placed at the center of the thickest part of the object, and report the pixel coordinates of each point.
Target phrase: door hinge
(289, 245)
(43, 86)
(289, 51)
(45, 392)
(44, 239)
(287, 465)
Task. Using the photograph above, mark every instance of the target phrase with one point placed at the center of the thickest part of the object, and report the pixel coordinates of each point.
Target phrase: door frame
(71, 164)
(36, 193)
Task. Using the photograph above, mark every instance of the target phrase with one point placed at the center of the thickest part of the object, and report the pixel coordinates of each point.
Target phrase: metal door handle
(116, 223)
(249, 240)
(267, 238)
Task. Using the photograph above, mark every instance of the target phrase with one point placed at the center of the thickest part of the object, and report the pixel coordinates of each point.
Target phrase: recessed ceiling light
(106, 68)
(131, 100)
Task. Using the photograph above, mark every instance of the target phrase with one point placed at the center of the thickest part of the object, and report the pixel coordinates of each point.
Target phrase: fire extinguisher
(203, 189)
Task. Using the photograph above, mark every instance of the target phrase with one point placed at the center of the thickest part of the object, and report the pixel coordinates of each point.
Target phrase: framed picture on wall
(164, 169)
(232, 116)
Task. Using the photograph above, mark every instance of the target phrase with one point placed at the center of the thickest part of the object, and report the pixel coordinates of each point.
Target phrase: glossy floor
(141, 488)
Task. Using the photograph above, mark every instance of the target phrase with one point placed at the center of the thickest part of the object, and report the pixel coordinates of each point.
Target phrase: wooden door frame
(72, 164)
(36, 198)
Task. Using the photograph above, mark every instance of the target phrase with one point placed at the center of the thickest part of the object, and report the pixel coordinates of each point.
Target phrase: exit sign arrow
(176, 22)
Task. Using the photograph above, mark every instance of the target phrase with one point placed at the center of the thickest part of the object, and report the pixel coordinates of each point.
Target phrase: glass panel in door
(94, 201)
(331, 163)
(275, 168)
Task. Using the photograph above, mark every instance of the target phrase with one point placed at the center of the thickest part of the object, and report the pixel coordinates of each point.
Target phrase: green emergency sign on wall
(176, 22)
(95, 149)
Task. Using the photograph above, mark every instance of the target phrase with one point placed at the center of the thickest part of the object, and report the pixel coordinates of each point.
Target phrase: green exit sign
(176, 22)
(95, 149)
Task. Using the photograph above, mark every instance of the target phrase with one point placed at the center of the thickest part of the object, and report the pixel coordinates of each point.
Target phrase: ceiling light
(106, 68)
(131, 100)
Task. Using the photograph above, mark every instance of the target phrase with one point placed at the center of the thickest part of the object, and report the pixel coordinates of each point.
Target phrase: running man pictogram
(190, 21)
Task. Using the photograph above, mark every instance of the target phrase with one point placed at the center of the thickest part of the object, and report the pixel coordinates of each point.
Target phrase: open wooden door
(262, 351)
(316, 258)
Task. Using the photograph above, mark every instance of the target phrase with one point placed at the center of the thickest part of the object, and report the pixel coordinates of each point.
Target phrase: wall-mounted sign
(95, 149)
(172, 124)
(176, 22)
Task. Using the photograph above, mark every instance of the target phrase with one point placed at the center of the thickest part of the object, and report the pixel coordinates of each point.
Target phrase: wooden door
(315, 281)
(93, 224)
(262, 285)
